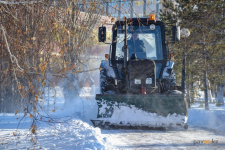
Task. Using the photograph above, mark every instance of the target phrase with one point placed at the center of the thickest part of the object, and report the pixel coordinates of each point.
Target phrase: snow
(74, 130)
(165, 140)
(133, 115)
(214, 118)
(73, 135)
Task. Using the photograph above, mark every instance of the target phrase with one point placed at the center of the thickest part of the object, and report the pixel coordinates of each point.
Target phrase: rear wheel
(169, 82)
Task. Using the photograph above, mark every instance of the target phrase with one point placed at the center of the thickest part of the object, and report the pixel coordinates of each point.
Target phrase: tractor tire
(106, 83)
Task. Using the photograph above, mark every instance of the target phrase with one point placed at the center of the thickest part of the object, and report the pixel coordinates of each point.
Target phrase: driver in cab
(135, 44)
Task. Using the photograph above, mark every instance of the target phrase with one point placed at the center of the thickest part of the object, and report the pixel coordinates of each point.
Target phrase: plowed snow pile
(74, 134)
(71, 130)
(137, 116)
(214, 118)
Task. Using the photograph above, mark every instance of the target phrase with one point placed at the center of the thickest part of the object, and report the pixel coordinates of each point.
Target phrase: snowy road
(78, 133)
(154, 140)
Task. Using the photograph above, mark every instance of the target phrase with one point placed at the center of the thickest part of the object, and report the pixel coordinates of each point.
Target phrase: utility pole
(188, 88)
(183, 83)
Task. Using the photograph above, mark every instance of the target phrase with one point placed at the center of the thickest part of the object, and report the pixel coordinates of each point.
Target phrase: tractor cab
(145, 39)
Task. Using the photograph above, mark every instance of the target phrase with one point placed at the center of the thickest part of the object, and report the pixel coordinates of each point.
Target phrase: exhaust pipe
(125, 46)
(126, 56)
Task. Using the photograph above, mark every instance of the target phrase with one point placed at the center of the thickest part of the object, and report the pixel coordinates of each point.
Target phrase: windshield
(142, 41)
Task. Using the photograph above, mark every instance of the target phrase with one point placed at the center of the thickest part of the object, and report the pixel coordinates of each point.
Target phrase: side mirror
(101, 34)
(176, 33)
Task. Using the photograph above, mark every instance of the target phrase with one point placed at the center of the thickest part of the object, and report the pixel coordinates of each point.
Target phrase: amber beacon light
(152, 17)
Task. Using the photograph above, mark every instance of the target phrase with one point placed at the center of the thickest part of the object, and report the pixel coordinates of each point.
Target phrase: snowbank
(214, 118)
(74, 134)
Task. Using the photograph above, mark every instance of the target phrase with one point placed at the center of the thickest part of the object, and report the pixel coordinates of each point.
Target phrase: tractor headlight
(137, 81)
(148, 81)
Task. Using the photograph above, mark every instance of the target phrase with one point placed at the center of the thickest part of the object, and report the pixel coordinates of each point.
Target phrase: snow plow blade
(155, 111)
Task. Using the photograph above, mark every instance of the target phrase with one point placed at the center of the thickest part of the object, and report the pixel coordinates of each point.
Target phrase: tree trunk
(209, 91)
(213, 93)
(192, 89)
(206, 91)
(220, 100)
(0, 100)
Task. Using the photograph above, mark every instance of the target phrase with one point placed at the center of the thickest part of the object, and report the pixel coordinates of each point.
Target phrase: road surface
(193, 138)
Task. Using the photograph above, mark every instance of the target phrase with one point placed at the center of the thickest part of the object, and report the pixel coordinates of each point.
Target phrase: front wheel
(106, 83)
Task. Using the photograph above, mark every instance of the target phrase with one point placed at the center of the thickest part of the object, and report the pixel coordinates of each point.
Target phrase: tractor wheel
(106, 83)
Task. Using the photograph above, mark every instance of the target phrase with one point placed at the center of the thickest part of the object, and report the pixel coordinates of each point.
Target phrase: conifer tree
(205, 46)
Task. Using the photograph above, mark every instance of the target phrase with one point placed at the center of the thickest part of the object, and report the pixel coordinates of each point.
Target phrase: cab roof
(144, 21)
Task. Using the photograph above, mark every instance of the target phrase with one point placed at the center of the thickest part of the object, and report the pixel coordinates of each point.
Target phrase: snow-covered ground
(206, 132)
(77, 132)
(192, 139)
(214, 118)
(72, 131)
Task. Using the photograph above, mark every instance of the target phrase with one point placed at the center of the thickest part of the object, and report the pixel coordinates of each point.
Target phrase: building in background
(129, 8)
